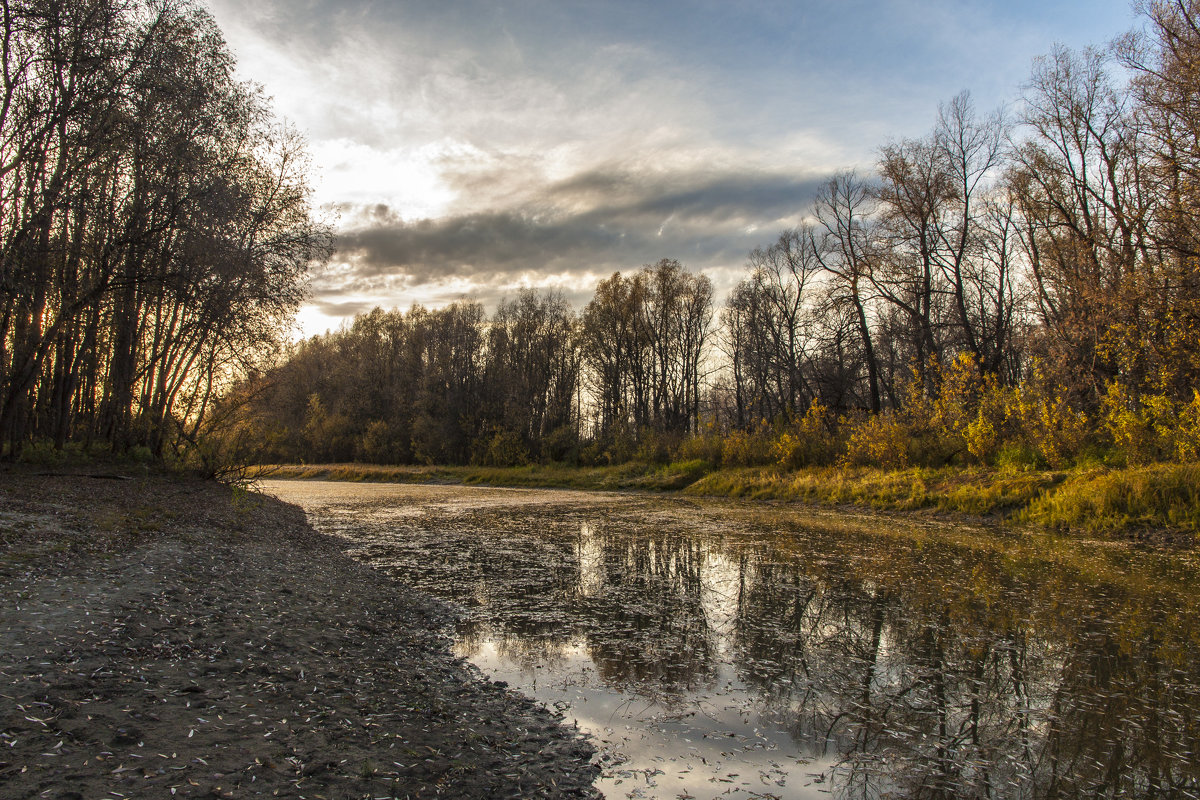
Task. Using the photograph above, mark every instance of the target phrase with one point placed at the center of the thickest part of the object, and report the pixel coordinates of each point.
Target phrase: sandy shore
(163, 637)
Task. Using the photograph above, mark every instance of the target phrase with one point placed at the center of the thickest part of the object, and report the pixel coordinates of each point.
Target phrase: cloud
(340, 309)
(473, 146)
(591, 223)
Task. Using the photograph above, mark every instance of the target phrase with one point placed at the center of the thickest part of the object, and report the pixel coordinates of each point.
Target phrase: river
(739, 650)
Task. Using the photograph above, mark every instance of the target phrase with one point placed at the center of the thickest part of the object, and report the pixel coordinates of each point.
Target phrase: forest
(155, 228)
(1005, 290)
(1013, 288)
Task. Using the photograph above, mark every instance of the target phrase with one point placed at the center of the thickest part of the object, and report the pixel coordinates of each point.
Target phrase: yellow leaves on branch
(1152, 427)
(954, 414)
(808, 443)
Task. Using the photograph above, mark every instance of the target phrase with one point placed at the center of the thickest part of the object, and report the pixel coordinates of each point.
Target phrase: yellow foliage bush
(1187, 433)
(1152, 427)
(982, 438)
(376, 444)
(747, 448)
(654, 447)
(1129, 424)
(939, 422)
(705, 445)
(808, 443)
(1046, 422)
(958, 395)
(987, 430)
(504, 448)
(879, 441)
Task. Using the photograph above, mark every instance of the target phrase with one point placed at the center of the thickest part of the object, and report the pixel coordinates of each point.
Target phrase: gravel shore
(166, 637)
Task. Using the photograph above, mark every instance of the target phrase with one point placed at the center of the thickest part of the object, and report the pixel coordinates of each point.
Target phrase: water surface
(725, 650)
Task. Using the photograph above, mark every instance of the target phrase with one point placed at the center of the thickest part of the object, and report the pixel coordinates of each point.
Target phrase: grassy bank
(610, 478)
(1158, 499)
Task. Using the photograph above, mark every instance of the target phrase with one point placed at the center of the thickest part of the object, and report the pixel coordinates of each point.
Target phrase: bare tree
(767, 321)
(1083, 211)
(533, 366)
(843, 248)
(154, 222)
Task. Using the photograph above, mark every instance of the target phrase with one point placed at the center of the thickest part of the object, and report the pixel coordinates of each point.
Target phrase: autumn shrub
(224, 450)
(963, 419)
(1150, 428)
(379, 444)
(327, 434)
(878, 440)
(1042, 419)
(704, 445)
(951, 413)
(748, 448)
(808, 442)
(1129, 426)
(591, 452)
(1187, 430)
(615, 446)
(655, 447)
(1017, 455)
(562, 445)
(504, 448)
(988, 432)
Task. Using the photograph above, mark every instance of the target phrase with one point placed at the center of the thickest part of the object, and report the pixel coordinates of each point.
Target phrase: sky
(468, 148)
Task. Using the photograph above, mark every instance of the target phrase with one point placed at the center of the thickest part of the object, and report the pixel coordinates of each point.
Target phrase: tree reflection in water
(947, 671)
(934, 665)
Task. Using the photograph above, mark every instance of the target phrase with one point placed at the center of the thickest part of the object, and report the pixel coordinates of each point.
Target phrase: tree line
(1024, 285)
(155, 228)
(535, 381)
(997, 285)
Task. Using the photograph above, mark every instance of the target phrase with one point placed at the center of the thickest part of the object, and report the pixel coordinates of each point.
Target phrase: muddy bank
(162, 637)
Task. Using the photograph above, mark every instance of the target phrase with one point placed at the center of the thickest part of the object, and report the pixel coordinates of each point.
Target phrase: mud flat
(164, 637)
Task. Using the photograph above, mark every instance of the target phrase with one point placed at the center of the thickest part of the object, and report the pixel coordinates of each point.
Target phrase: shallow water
(731, 650)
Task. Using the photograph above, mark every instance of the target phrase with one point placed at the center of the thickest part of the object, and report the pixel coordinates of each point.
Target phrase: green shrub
(706, 445)
(609, 448)
(562, 445)
(654, 447)
(378, 444)
(1018, 456)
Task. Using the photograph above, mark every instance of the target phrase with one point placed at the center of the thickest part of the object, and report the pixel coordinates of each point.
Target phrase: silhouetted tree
(155, 228)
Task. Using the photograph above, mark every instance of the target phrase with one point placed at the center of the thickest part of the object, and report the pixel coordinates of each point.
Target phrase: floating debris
(764, 652)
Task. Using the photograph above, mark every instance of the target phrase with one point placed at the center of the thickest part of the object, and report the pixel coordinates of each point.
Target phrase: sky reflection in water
(736, 651)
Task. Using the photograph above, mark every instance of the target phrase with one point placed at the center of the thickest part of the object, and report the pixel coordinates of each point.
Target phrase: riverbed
(740, 650)
(167, 637)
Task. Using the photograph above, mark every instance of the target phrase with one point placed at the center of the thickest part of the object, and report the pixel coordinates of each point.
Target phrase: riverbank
(1158, 502)
(164, 636)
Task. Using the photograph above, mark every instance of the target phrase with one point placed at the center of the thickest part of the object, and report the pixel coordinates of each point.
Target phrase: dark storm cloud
(334, 308)
(472, 245)
(700, 198)
(593, 222)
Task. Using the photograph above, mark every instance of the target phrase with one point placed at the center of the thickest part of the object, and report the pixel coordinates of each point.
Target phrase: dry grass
(967, 491)
(621, 476)
(1160, 497)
